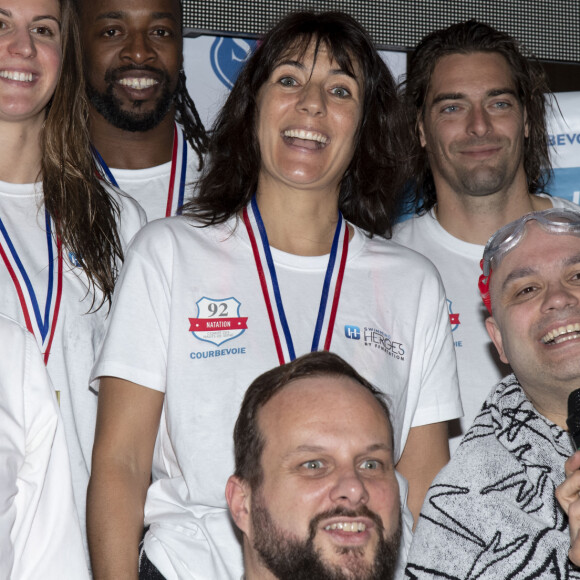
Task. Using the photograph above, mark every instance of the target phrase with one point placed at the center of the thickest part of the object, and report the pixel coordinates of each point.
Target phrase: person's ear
(495, 335)
(421, 130)
(238, 496)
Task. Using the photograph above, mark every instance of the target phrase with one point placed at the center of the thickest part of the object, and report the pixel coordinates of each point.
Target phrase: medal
(270, 287)
(42, 326)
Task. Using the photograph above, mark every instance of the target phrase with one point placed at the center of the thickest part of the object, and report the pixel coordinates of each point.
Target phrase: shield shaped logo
(218, 320)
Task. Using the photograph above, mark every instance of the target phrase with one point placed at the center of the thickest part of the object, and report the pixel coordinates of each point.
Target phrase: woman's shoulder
(178, 231)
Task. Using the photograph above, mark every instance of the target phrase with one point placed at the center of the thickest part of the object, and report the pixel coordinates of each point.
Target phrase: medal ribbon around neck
(338, 253)
(41, 327)
(176, 189)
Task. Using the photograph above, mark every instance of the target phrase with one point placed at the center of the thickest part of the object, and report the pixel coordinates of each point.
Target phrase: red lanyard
(262, 252)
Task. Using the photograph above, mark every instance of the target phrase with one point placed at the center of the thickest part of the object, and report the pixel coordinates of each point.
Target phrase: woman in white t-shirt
(262, 268)
(40, 536)
(60, 241)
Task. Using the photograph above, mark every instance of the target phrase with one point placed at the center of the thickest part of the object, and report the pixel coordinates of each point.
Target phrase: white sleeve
(135, 344)
(36, 498)
(12, 447)
(439, 398)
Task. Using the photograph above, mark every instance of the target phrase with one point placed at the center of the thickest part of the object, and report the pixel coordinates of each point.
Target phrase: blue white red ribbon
(270, 286)
(176, 189)
(40, 321)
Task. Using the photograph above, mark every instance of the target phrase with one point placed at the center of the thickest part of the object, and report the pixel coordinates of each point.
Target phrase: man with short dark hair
(147, 134)
(314, 492)
(477, 106)
(492, 511)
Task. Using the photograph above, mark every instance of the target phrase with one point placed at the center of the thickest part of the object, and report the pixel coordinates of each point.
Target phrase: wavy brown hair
(84, 214)
(531, 87)
(370, 189)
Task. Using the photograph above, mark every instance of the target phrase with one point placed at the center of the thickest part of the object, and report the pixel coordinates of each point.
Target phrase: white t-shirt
(78, 330)
(40, 536)
(391, 325)
(150, 186)
(458, 262)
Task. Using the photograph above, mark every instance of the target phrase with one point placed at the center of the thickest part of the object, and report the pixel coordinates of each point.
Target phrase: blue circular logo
(228, 55)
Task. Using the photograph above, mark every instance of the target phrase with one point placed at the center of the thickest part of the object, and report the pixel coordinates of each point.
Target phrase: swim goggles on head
(554, 221)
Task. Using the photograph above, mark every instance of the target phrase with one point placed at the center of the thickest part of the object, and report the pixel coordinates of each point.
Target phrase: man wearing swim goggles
(555, 220)
(492, 512)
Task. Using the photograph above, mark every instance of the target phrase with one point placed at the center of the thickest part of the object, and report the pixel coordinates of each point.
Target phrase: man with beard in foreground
(147, 134)
(314, 492)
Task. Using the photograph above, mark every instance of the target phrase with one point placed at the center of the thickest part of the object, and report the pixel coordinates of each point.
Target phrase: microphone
(573, 420)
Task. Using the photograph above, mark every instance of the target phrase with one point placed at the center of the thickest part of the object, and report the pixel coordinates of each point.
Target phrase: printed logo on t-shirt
(380, 340)
(218, 320)
(453, 317)
(352, 332)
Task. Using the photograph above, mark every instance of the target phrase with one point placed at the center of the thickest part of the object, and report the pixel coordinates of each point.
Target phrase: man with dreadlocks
(146, 132)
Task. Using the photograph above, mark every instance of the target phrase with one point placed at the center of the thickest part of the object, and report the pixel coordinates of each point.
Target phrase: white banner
(564, 131)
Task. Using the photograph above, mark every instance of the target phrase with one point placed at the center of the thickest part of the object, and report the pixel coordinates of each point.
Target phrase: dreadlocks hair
(186, 114)
(531, 88)
(188, 117)
(84, 214)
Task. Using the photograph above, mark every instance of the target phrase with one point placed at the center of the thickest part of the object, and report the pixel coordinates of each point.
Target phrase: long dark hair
(370, 188)
(531, 85)
(84, 214)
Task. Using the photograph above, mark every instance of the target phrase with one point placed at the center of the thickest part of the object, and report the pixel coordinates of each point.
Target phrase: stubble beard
(290, 558)
(484, 179)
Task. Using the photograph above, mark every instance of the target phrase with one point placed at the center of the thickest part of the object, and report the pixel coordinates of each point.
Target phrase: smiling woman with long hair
(280, 253)
(61, 238)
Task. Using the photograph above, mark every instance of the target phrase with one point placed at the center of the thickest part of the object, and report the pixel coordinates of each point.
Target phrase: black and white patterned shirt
(491, 512)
